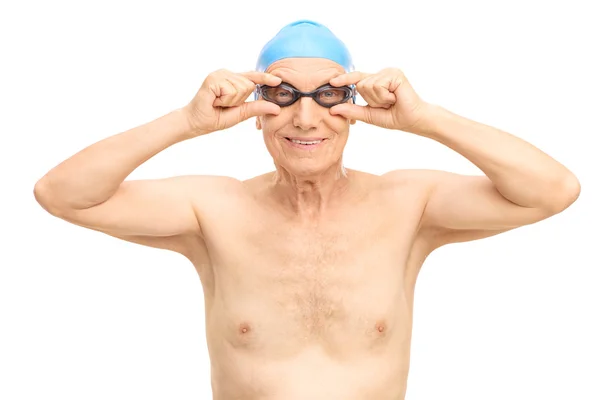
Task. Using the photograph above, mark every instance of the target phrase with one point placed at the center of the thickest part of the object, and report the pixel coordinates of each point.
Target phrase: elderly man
(309, 270)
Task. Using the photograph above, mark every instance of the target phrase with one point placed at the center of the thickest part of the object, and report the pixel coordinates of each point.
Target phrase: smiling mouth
(305, 142)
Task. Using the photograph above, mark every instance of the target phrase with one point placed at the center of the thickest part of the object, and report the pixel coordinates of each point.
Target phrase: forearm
(94, 174)
(521, 172)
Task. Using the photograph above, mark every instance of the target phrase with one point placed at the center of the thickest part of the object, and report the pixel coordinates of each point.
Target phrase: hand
(392, 102)
(220, 103)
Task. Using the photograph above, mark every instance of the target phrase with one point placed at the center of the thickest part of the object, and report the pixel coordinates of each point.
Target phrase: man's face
(305, 119)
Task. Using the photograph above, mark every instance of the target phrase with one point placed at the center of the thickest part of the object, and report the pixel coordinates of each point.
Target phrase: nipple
(244, 328)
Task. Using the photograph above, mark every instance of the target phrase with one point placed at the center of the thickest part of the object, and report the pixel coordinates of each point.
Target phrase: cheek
(270, 128)
(336, 126)
(339, 125)
(271, 124)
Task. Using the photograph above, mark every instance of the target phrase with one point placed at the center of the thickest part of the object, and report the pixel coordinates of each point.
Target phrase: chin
(306, 167)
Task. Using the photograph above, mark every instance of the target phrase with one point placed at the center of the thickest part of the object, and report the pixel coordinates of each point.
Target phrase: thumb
(352, 111)
(234, 115)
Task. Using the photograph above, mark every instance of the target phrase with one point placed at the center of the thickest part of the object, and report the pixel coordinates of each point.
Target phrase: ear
(258, 123)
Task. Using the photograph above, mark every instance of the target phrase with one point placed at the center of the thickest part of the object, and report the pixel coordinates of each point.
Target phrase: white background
(87, 316)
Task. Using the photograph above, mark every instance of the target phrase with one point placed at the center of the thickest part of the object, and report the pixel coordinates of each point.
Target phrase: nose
(307, 114)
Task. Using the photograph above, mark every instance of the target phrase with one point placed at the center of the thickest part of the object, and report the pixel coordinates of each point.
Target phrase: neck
(309, 196)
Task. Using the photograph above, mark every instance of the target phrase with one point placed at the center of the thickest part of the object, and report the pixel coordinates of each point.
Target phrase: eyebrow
(284, 80)
(294, 86)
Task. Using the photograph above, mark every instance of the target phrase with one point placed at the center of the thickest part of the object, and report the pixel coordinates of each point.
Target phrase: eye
(332, 95)
(282, 93)
(279, 94)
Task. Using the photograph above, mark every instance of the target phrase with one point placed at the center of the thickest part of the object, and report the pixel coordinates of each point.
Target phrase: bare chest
(277, 287)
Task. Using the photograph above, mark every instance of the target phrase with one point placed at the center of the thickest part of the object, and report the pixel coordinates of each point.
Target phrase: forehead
(305, 73)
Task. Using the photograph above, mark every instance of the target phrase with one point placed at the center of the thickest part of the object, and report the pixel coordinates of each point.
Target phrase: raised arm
(89, 188)
(522, 185)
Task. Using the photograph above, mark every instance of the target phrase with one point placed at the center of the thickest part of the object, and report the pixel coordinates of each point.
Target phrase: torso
(311, 311)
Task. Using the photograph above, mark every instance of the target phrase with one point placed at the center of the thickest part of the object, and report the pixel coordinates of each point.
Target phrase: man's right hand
(221, 101)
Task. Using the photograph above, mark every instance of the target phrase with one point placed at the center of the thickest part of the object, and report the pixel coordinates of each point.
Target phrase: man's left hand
(392, 102)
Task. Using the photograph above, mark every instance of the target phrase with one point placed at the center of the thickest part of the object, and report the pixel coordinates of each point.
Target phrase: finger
(349, 78)
(243, 86)
(225, 92)
(367, 114)
(374, 91)
(353, 111)
(234, 115)
(262, 78)
(365, 89)
(383, 95)
(246, 83)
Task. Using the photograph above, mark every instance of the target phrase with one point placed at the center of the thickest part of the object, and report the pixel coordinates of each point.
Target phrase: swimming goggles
(285, 94)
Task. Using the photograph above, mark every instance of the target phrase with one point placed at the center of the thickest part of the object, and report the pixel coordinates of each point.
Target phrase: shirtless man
(308, 271)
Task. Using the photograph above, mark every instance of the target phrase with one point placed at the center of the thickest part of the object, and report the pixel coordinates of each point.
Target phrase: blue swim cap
(304, 38)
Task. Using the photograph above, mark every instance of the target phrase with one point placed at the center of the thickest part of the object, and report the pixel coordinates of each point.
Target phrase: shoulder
(415, 177)
(205, 185)
(418, 182)
(209, 191)
(410, 191)
(404, 193)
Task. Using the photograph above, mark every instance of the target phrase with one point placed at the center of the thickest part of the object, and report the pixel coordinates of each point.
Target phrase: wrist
(428, 123)
(189, 129)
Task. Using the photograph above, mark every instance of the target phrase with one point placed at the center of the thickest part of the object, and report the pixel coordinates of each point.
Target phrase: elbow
(564, 194)
(40, 192)
(43, 196)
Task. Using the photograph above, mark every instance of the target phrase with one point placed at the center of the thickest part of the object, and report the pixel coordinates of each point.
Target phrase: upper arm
(160, 213)
(460, 208)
